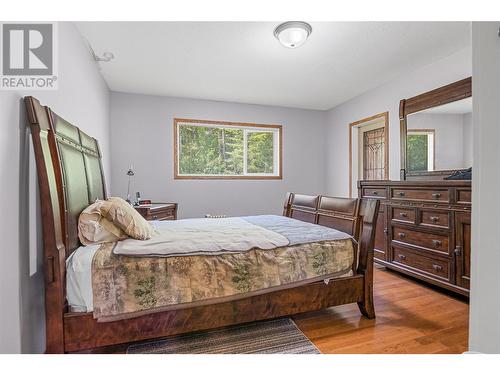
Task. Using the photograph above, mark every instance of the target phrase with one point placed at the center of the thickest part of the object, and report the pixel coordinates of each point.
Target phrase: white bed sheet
(79, 279)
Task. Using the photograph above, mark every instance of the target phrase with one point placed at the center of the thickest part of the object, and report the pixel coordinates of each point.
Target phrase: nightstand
(158, 211)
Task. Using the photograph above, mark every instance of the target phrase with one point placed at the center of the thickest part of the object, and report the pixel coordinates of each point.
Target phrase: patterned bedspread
(124, 287)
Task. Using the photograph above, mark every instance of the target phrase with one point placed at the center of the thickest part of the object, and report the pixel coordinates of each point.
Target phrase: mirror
(440, 138)
(436, 132)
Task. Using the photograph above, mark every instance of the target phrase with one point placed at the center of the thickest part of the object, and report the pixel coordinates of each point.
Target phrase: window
(219, 150)
(420, 150)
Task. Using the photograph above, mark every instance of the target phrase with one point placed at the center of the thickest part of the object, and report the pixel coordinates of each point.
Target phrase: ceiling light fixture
(293, 34)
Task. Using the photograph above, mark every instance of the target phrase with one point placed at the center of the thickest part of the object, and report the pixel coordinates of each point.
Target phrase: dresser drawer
(374, 192)
(435, 219)
(161, 215)
(430, 195)
(463, 196)
(167, 213)
(440, 268)
(429, 241)
(158, 211)
(405, 215)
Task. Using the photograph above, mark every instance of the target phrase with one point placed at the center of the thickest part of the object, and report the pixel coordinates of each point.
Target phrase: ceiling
(243, 62)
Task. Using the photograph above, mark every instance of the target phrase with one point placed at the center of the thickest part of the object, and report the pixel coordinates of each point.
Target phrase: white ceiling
(243, 62)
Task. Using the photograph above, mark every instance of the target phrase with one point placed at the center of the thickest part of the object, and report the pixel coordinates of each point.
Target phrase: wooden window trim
(177, 176)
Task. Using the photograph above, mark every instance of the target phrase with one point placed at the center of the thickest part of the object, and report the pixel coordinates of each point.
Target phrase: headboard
(70, 177)
(74, 159)
(338, 213)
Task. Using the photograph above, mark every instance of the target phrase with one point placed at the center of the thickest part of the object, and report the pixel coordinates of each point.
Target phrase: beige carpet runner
(279, 336)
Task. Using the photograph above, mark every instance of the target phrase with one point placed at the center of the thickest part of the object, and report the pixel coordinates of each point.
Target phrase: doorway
(368, 150)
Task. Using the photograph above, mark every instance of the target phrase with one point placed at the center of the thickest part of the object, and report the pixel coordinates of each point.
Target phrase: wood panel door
(462, 248)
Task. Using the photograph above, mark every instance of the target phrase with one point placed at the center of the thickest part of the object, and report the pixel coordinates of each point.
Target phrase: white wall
(82, 98)
(142, 135)
(484, 327)
(450, 144)
(468, 141)
(384, 98)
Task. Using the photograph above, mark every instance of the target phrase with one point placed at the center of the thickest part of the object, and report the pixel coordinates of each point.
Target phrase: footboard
(354, 216)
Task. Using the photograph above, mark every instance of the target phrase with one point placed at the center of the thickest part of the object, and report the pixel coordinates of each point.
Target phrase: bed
(195, 262)
(71, 177)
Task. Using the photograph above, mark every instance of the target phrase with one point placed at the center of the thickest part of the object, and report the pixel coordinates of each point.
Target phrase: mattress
(114, 286)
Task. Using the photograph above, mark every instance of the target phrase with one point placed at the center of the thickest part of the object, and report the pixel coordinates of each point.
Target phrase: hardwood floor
(411, 318)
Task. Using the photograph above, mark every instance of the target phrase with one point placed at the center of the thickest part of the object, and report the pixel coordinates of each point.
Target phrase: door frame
(368, 120)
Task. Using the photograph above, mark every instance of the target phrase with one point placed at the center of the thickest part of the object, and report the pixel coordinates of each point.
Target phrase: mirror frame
(443, 95)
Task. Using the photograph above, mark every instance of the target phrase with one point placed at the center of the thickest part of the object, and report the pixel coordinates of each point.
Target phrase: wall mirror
(436, 132)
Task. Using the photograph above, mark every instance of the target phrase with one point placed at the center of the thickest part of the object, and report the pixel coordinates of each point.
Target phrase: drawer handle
(402, 257)
(436, 195)
(403, 214)
(401, 235)
(437, 243)
(401, 193)
(437, 267)
(458, 251)
(386, 231)
(375, 192)
(434, 219)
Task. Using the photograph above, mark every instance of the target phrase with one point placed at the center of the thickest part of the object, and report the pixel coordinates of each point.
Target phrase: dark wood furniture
(443, 95)
(70, 178)
(423, 229)
(408, 305)
(158, 211)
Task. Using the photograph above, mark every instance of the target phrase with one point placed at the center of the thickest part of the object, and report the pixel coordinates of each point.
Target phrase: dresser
(158, 211)
(424, 229)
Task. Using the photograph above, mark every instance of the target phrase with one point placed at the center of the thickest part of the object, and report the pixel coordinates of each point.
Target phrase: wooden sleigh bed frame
(70, 177)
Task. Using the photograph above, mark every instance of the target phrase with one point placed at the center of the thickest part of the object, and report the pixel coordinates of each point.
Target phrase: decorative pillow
(93, 228)
(125, 217)
(112, 220)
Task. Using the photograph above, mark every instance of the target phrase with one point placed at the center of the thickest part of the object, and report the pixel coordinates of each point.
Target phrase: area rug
(279, 336)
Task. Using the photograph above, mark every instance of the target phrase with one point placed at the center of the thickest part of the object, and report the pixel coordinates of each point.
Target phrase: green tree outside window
(417, 154)
(221, 151)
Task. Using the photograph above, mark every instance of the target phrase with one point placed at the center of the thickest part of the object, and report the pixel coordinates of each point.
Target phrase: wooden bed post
(49, 178)
(368, 212)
